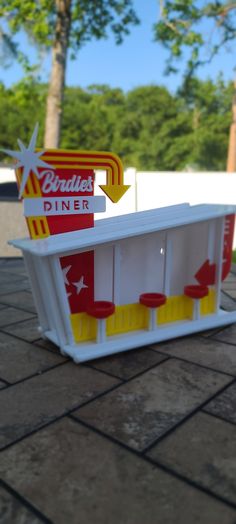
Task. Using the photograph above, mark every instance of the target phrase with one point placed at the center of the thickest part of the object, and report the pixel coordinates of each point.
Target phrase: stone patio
(145, 437)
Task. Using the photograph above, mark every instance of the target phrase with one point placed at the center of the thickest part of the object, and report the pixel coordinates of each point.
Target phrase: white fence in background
(158, 189)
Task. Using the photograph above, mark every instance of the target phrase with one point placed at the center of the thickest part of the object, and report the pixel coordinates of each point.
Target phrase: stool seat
(100, 309)
(196, 291)
(152, 300)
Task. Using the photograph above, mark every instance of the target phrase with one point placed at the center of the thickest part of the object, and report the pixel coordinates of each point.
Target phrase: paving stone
(224, 405)
(10, 315)
(140, 411)
(233, 269)
(12, 511)
(209, 333)
(47, 344)
(227, 303)
(2, 306)
(6, 276)
(7, 264)
(231, 291)
(229, 284)
(207, 352)
(228, 334)
(73, 475)
(203, 450)
(27, 330)
(230, 278)
(10, 287)
(128, 364)
(36, 401)
(19, 359)
(22, 299)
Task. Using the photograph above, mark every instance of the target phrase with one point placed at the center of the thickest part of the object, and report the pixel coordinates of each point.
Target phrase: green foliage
(148, 127)
(197, 28)
(20, 107)
(88, 19)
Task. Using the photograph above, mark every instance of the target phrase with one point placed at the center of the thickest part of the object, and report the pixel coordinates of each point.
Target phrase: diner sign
(63, 205)
(57, 186)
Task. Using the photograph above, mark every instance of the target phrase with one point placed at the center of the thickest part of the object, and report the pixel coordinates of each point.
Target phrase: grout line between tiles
(215, 415)
(15, 323)
(164, 468)
(187, 417)
(223, 341)
(25, 502)
(18, 307)
(59, 417)
(5, 382)
(182, 359)
(140, 373)
(37, 374)
(13, 291)
(17, 336)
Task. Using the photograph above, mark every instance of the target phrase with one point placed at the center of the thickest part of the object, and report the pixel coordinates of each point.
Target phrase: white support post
(219, 261)
(116, 273)
(62, 295)
(152, 318)
(52, 300)
(30, 263)
(196, 309)
(211, 240)
(101, 330)
(168, 265)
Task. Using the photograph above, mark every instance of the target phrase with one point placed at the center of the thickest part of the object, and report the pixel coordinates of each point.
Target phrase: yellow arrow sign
(100, 160)
(114, 187)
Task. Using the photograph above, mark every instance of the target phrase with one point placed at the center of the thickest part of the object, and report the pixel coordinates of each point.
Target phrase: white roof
(124, 226)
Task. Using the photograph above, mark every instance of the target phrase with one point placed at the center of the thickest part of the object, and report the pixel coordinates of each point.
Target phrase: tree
(62, 25)
(148, 127)
(198, 28)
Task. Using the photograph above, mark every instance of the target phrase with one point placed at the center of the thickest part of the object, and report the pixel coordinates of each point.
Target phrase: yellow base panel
(132, 317)
(208, 304)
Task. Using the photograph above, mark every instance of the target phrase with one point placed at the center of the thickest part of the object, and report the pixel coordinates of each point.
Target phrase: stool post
(196, 309)
(152, 319)
(196, 292)
(152, 301)
(101, 330)
(101, 310)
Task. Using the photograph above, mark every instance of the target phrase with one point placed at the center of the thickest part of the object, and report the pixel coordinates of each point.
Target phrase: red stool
(101, 309)
(196, 292)
(152, 301)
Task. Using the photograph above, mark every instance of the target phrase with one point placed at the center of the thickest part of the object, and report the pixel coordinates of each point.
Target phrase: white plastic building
(143, 279)
(122, 282)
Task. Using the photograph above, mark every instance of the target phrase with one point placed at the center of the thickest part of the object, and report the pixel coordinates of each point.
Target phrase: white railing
(158, 189)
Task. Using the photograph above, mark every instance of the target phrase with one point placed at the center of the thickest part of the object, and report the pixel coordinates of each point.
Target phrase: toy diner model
(123, 282)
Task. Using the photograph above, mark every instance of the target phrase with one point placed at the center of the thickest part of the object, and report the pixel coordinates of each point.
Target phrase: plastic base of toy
(118, 343)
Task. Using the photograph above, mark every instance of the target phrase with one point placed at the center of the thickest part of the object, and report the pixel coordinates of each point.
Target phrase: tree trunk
(57, 80)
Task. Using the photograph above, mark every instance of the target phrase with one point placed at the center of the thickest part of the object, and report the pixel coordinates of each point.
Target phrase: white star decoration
(79, 285)
(65, 271)
(28, 159)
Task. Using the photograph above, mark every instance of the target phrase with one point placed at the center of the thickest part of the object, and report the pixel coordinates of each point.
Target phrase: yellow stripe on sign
(38, 227)
(118, 178)
(89, 160)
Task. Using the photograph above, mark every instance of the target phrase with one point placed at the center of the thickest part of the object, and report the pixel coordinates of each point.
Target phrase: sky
(138, 61)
